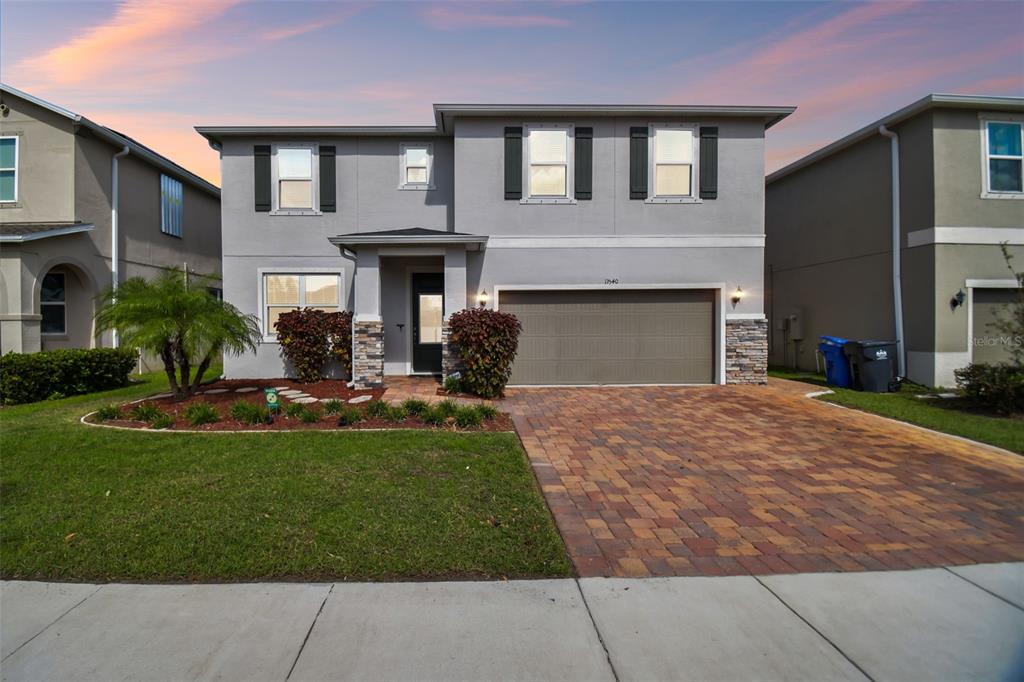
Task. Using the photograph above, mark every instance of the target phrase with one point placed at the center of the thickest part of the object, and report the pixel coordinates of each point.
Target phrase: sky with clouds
(154, 69)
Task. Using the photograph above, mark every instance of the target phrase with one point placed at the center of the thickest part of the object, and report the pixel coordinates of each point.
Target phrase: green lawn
(90, 504)
(953, 416)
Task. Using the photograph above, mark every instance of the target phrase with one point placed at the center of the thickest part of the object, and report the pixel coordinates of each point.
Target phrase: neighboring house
(628, 240)
(829, 224)
(58, 216)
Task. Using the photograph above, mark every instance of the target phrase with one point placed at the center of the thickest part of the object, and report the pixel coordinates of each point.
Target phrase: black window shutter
(638, 162)
(709, 162)
(513, 163)
(328, 185)
(584, 163)
(261, 176)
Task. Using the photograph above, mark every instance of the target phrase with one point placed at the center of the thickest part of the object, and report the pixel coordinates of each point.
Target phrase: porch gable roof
(408, 236)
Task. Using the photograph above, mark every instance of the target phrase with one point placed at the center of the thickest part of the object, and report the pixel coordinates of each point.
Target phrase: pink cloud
(455, 17)
(999, 85)
(286, 32)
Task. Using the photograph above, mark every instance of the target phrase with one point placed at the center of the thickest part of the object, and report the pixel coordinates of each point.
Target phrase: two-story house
(844, 259)
(628, 240)
(81, 208)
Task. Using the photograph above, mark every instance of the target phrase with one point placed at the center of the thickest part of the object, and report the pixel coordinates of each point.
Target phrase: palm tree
(180, 321)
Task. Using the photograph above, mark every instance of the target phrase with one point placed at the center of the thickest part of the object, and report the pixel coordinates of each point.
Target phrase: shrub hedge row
(28, 377)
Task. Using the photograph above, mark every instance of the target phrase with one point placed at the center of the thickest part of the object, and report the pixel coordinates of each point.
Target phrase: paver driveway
(724, 480)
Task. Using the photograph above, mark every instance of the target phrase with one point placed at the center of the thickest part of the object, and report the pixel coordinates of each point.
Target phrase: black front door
(427, 315)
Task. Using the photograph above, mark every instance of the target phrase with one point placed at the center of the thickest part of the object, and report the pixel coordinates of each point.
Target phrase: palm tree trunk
(167, 355)
(184, 368)
(201, 370)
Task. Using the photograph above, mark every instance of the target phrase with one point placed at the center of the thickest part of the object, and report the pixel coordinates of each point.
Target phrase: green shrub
(349, 415)
(309, 338)
(198, 414)
(434, 416)
(487, 411)
(145, 412)
(249, 413)
(487, 341)
(447, 407)
(999, 388)
(453, 383)
(468, 417)
(28, 377)
(377, 409)
(162, 421)
(396, 413)
(333, 406)
(294, 410)
(309, 415)
(108, 412)
(415, 406)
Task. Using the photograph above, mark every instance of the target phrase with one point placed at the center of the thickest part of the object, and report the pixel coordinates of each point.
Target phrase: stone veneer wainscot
(368, 354)
(746, 351)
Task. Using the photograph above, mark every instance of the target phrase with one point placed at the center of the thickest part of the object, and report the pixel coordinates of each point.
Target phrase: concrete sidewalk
(961, 623)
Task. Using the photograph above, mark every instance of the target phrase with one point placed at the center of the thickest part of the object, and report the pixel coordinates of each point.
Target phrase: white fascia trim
(645, 242)
(745, 316)
(56, 232)
(966, 235)
(991, 284)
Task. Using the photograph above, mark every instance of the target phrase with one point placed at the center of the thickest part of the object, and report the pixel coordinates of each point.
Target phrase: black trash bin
(872, 364)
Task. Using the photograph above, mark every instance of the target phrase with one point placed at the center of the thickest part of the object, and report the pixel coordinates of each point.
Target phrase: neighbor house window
(548, 161)
(53, 304)
(672, 172)
(1003, 157)
(285, 292)
(416, 169)
(171, 206)
(8, 169)
(295, 188)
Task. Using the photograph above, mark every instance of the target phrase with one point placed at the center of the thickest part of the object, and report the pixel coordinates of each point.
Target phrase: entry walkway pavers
(884, 625)
(734, 480)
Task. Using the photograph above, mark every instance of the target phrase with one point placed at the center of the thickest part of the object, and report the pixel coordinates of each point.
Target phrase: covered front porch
(407, 284)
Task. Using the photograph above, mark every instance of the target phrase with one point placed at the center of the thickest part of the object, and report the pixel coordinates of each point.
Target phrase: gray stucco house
(66, 235)
(835, 237)
(629, 240)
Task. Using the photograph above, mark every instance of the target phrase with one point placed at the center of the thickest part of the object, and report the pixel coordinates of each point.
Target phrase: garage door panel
(642, 336)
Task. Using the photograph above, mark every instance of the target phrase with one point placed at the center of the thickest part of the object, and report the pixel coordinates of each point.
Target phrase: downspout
(345, 253)
(114, 256)
(897, 285)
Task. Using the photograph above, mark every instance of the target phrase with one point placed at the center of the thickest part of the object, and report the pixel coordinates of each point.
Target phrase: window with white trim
(295, 186)
(172, 206)
(673, 157)
(1004, 160)
(416, 166)
(549, 162)
(53, 304)
(9, 169)
(284, 292)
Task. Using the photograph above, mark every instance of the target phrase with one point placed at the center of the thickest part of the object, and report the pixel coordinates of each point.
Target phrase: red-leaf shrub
(487, 341)
(310, 337)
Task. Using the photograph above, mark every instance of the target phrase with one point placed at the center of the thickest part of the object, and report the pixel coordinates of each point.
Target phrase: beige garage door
(613, 337)
(990, 305)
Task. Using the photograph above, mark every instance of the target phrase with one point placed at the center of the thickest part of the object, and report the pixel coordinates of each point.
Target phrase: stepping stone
(327, 400)
(216, 390)
(291, 391)
(360, 399)
(247, 389)
(925, 396)
(281, 388)
(948, 396)
(306, 400)
(158, 396)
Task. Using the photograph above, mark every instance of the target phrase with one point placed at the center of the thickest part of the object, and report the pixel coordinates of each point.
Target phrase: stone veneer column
(746, 351)
(368, 354)
(450, 360)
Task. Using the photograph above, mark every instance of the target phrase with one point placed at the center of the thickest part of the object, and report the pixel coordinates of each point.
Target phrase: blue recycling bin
(837, 365)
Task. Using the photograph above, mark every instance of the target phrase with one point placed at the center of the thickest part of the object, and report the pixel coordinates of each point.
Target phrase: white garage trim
(715, 286)
(619, 242)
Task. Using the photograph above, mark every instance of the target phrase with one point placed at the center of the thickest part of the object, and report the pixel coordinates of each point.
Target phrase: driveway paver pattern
(731, 480)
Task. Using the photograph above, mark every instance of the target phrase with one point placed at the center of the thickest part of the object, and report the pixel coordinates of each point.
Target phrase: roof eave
(56, 232)
(400, 240)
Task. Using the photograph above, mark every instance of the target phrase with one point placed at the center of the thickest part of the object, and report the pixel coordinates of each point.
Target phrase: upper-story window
(1003, 144)
(294, 182)
(549, 163)
(416, 166)
(9, 169)
(172, 206)
(673, 162)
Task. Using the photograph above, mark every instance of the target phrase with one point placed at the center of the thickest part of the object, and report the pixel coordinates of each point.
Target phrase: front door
(427, 316)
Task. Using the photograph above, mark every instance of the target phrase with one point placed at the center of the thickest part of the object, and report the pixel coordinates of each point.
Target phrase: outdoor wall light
(737, 296)
(957, 300)
(482, 298)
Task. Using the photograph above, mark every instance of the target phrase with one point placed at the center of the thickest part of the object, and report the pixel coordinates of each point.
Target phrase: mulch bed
(323, 389)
